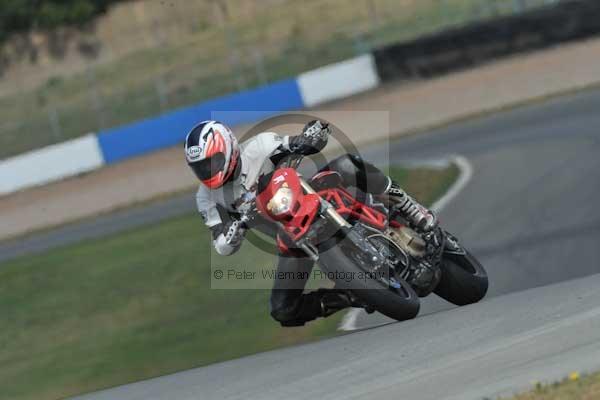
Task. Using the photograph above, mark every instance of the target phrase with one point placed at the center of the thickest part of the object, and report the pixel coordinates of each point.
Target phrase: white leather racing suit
(289, 304)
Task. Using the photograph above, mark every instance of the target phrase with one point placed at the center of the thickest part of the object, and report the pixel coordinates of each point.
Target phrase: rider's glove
(312, 140)
(228, 239)
(234, 234)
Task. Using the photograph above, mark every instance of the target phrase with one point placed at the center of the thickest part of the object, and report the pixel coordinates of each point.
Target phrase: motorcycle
(383, 262)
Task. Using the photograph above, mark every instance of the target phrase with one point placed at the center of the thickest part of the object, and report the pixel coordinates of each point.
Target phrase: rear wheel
(464, 280)
(385, 291)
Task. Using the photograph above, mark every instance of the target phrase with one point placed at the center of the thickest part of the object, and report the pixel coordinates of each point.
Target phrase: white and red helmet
(212, 151)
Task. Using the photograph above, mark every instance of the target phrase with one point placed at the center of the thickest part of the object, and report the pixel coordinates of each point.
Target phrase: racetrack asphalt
(480, 351)
(529, 214)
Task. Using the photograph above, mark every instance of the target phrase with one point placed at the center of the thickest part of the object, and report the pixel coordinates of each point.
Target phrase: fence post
(373, 17)
(95, 98)
(54, 122)
(519, 6)
(259, 64)
(491, 8)
(162, 93)
(223, 17)
(234, 62)
(361, 46)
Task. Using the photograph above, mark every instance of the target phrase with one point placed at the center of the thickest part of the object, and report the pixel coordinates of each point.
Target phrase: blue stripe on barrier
(169, 129)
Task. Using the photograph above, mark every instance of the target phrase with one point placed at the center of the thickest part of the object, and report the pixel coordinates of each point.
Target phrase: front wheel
(464, 280)
(395, 299)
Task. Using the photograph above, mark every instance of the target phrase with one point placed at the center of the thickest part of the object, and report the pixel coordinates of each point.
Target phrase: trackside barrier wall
(468, 46)
(311, 88)
(50, 164)
(111, 146)
(170, 129)
(338, 80)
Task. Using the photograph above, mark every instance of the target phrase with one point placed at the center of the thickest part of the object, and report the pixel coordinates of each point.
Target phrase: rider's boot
(334, 300)
(407, 207)
(322, 303)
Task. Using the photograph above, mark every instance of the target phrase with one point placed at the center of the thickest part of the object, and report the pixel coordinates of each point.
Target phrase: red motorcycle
(382, 261)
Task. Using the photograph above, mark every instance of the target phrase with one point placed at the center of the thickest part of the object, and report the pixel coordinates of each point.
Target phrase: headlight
(281, 202)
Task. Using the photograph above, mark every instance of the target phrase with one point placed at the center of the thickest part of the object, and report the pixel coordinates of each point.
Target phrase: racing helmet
(212, 152)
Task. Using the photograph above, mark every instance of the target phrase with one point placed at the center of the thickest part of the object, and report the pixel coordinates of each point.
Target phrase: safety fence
(108, 147)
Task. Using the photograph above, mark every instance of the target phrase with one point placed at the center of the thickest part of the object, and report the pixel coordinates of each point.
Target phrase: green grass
(138, 304)
(575, 387)
(200, 67)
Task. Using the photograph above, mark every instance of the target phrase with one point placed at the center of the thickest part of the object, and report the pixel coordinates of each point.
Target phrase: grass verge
(138, 304)
(574, 387)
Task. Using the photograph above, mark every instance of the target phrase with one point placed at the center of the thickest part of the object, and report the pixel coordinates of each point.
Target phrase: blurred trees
(24, 15)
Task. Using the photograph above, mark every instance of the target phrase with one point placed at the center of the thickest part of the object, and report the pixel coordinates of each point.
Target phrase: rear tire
(397, 303)
(464, 280)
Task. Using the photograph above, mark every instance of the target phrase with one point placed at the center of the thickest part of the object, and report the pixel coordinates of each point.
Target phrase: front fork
(330, 211)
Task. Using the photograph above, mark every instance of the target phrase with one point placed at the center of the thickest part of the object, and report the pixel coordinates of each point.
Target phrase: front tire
(464, 280)
(400, 303)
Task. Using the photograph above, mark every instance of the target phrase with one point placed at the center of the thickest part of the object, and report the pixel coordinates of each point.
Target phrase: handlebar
(291, 160)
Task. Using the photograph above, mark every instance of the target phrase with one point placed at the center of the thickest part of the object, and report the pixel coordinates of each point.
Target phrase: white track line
(465, 174)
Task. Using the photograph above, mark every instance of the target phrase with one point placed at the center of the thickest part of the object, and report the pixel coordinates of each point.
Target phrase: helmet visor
(209, 167)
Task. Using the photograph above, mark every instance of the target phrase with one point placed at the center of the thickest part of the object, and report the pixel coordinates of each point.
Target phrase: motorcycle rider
(229, 173)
